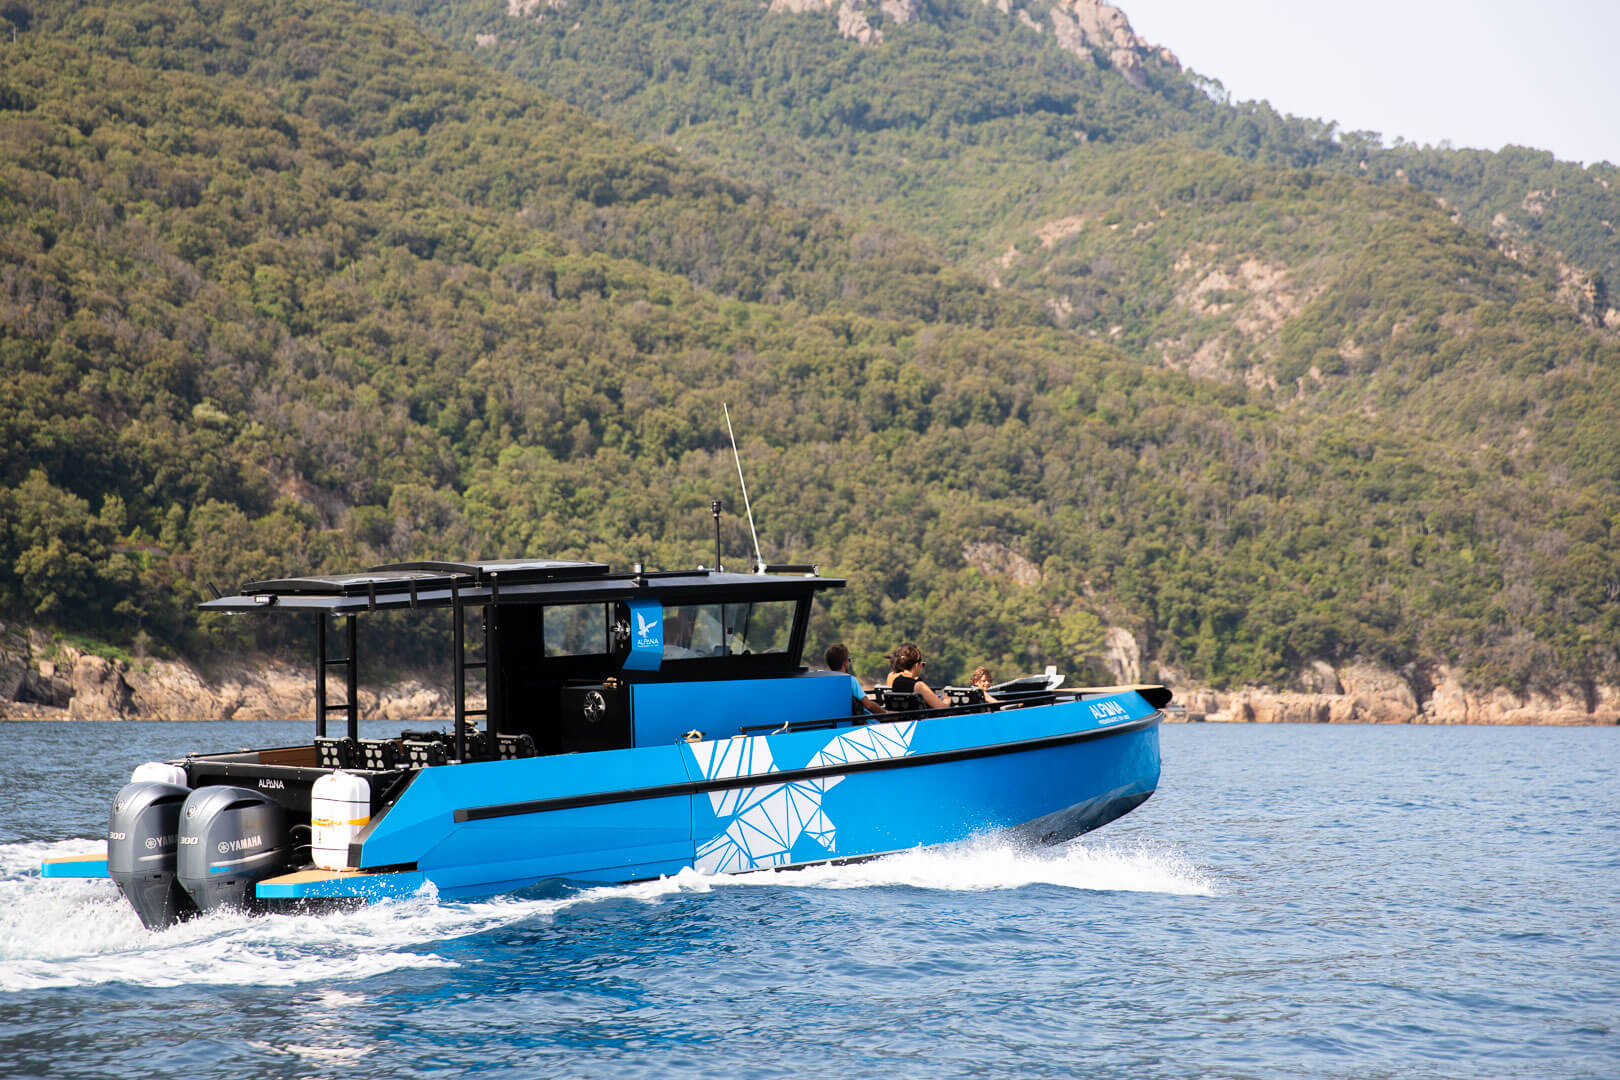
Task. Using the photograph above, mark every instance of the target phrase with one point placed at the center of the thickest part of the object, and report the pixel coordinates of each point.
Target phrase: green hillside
(290, 286)
(1415, 286)
(956, 116)
(1329, 293)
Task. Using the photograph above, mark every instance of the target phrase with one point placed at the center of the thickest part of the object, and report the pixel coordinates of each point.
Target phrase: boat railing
(800, 725)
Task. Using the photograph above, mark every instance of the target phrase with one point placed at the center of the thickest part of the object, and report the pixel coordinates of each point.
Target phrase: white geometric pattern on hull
(766, 821)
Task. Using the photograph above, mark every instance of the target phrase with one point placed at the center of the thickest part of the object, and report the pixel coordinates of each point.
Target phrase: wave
(76, 932)
(993, 863)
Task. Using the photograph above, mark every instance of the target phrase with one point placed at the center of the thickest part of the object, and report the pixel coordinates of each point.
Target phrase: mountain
(796, 95)
(294, 286)
(1050, 148)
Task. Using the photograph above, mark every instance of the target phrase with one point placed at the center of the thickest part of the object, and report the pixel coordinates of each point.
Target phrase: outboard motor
(231, 839)
(141, 835)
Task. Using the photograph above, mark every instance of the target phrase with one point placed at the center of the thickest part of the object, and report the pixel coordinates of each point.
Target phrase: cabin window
(576, 629)
(764, 627)
(692, 631)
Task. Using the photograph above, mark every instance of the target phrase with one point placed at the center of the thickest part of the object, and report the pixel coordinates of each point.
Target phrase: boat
(607, 727)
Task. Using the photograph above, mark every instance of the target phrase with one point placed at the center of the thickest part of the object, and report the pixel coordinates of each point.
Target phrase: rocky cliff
(1087, 29)
(1383, 697)
(45, 680)
(1361, 693)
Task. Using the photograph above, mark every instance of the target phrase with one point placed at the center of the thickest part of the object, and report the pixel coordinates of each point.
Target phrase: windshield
(702, 630)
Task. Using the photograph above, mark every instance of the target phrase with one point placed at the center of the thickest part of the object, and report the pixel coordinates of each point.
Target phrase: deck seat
(515, 746)
(421, 753)
(337, 752)
(897, 701)
(380, 753)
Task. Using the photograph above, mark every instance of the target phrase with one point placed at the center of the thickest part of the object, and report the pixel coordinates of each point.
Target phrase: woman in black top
(905, 676)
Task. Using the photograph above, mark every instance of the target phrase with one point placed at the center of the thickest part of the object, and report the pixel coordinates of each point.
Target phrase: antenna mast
(714, 508)
(759, 560)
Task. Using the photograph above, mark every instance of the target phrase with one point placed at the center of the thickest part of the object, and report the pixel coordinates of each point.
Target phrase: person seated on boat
(905, 676)
(980, 681)
(838, 660)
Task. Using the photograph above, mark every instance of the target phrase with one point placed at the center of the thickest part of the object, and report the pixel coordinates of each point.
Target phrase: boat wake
(993, 863)
(73, 932)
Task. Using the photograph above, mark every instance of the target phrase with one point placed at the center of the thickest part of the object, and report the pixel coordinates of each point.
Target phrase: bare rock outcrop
(1318, 677)
(856, 26)
(901, 12)
(1361, 693)
(850, 18)
(998, 560)
(1373, 695)
(100, 690)
(1259, 708)
(45, 680)
(1452, 703)
(1122, 655)
(1083, 25)
(533, 9)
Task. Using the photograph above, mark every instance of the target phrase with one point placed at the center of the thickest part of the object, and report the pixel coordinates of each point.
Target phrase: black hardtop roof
(400, 577)
(415, 584)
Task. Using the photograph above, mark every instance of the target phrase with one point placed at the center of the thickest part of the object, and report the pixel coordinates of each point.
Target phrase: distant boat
(636, 724)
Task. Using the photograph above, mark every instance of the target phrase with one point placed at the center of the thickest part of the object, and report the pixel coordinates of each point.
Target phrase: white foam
(75, 932)
(999, 863)
(78, 932)
(22, 860)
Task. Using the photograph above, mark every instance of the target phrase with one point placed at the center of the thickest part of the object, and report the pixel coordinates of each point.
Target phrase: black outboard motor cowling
(231, 839)
(142, 831)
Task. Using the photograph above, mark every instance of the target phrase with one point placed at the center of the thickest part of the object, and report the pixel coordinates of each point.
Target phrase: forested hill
(291, 286)
(1051, 149)
(960, 105)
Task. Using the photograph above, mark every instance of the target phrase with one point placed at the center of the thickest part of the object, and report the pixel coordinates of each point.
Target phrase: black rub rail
(788, 776)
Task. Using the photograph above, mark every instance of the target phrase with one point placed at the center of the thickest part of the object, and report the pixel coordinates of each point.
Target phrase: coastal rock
(45, 680)
(1373, 695)
(1452, 703)
(1318, 677)
(1279, 708)
(43, 687)
(169, 691)
(14, 666)
(100, 691)
(1361, 693)
(412, 699)
(1200, 703)
(42, 679)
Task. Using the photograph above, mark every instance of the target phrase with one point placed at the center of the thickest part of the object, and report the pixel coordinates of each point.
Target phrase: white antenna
(759, 560)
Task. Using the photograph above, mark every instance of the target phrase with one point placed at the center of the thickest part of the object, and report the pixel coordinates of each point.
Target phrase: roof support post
(353, 676)
(458, 650)
(494, 672)
(320, 674)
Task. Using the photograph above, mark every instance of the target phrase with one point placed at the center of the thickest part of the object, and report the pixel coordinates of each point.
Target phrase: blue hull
(754, 802)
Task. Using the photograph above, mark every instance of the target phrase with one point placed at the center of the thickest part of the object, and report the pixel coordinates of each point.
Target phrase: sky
(1483, 74)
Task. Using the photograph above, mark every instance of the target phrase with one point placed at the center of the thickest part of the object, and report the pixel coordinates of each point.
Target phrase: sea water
(1294, 902)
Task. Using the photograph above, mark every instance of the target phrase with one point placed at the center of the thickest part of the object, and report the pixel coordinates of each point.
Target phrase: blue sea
(1318, 901)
